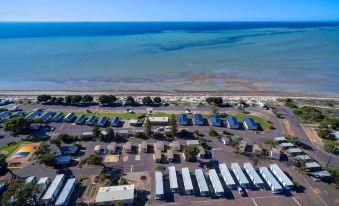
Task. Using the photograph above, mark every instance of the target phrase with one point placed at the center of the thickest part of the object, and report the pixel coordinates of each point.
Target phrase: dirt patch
(312, 135)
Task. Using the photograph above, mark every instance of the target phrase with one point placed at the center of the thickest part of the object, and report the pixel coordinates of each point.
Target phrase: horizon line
(194, 21)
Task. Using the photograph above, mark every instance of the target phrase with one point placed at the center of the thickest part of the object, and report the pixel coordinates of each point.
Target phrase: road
(320, 156)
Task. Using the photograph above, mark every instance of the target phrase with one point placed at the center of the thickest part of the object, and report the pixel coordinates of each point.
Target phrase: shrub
(212, 132)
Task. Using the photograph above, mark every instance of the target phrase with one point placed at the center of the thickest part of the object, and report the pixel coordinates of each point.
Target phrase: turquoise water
(181, 56)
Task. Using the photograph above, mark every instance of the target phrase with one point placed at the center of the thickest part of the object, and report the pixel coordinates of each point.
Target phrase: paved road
(320, 156)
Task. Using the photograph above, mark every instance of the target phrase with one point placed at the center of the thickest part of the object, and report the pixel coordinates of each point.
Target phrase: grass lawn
(264, 124)
(10, 149)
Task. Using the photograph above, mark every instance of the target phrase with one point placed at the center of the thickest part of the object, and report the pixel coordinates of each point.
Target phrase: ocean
(170, 56)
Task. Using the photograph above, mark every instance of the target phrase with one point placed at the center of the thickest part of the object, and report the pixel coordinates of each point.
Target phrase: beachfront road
(317, 154)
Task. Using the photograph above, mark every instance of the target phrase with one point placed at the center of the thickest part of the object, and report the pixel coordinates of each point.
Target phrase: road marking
(217, 148)
(254, 202)
(296, 201)
(132, 168)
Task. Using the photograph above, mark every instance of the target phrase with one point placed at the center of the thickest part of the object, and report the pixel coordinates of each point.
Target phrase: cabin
(68, 150)
(312, 167)
(69, 117)
(114, 195)
(294, 151)
(275, 153)
(102, 121)
(81, 119)
(192, 143)
(91, 120)
(133, 122)
(250, 124)
(4, 115)
(215, 120)
(58, 117)
(183, 119)
(286, 145)
(159, 145)
(158, 120)
(202, 152)
(33, 115)
(97, 149)
(198, 120)
(280, 140)
(115, 122)
(232, 123)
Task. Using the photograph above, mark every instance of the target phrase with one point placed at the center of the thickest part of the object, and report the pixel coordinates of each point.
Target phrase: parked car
(188, 111)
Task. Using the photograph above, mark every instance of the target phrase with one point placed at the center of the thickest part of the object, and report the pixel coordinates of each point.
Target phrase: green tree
(147, 101)
(292, 139)
(3, 164)
(55, 141)
(17, 125)
(93, 159)
(148, 128)
(254, 160)
(157, 100)
(324, 133)
(73, 99)
(309, 114)
(110, 134)
(96, 131)
(214, 108)
(19, 193)
(130, 101)
(331, 146)
(191, 153)
(43, 98)
(212, 132)
(216, 100)
(174, 124)
(104, 99)
(87, 99)
(60, 100)
(44, 154)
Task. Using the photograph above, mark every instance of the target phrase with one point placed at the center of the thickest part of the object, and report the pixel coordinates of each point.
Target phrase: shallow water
(170, 56)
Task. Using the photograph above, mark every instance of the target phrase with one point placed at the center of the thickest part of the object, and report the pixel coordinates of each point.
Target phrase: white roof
(158, 119)
(115, 193)
(286, 144)
(133, 121)
(192, 142)
(280, 139)
(172, 177)
(312, 165)
(225, 173)
(43, 180)
(187, 178)
(239, 174)
(215, 181)
(271, 181)
(252, 173)
(97, 147)
(201, 180)
(159, 183)
(53, 187)
(281, 175)
(294, 150)
(66, 192)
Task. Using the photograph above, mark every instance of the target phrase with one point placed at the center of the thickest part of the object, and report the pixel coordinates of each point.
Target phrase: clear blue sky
(169, 10)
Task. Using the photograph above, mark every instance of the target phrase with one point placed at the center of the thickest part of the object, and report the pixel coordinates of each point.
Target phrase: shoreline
(277, 94)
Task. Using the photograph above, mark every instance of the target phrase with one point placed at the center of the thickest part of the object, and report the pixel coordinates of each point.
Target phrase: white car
(168, 127)
(160, 129)
(188, 111)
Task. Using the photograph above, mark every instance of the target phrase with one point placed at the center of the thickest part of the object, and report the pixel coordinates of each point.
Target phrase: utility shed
(197, 119)
(183, 119)
(173, 179)
(81, 119)
(215, 120)
(252, 173)
(239, 174)
(218, 189)
(159, 185)
(232, 123)
(187, 180)
(281, 176)
(286, 145)
(295, 151)
(114, 194)
(58, 117)
(69, 117)
(47, 116)
(280, 140)
(53, 190)
(270, 180)
(202, 184)
(312, 166)
(226, 175)
(66, 193)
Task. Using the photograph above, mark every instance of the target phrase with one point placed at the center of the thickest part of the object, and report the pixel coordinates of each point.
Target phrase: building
(173, 179)
(232, 123)
(158, 120)
(43, 184)
(294, 151)
(256, 150)
(183, 119)
(124, 132)
(270, 180)
(97, 149)
(33, 115)
(159, 185)
(302, 158)
(128, 147)
(62, 159)
(176, 145)
(31, 179)
(321, 175)
(275, 153)
(66, 193)
(144, 146)
(46, 116)
(133, 122)
(159, 145)
(198, 120)
(81, 119)
(335, 135)
(186, 177)
(4, 102)
(253, 175)
(263, 105)
(217, 187)
(281, 176)
(4, 115)
(243, 146)
(58, 117)
(69, 117)
(202, 184)
(102, 121)
(280, 140)
(68, 150)
(250, 124)
(192, 143)
(115, 122)
(202, 152)
(312, 167)
(18, 113)
(53, 190)
(286, 145)
(91, 120)
(226, 175)
(239, 174)
(112, 195)
(170, 155)
(215, 120)
(157, 156)
(112, 148)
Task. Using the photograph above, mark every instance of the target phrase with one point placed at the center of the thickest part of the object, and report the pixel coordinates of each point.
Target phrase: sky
(169, 10)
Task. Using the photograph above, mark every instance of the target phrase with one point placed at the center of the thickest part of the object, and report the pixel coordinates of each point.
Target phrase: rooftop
(115, 193)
